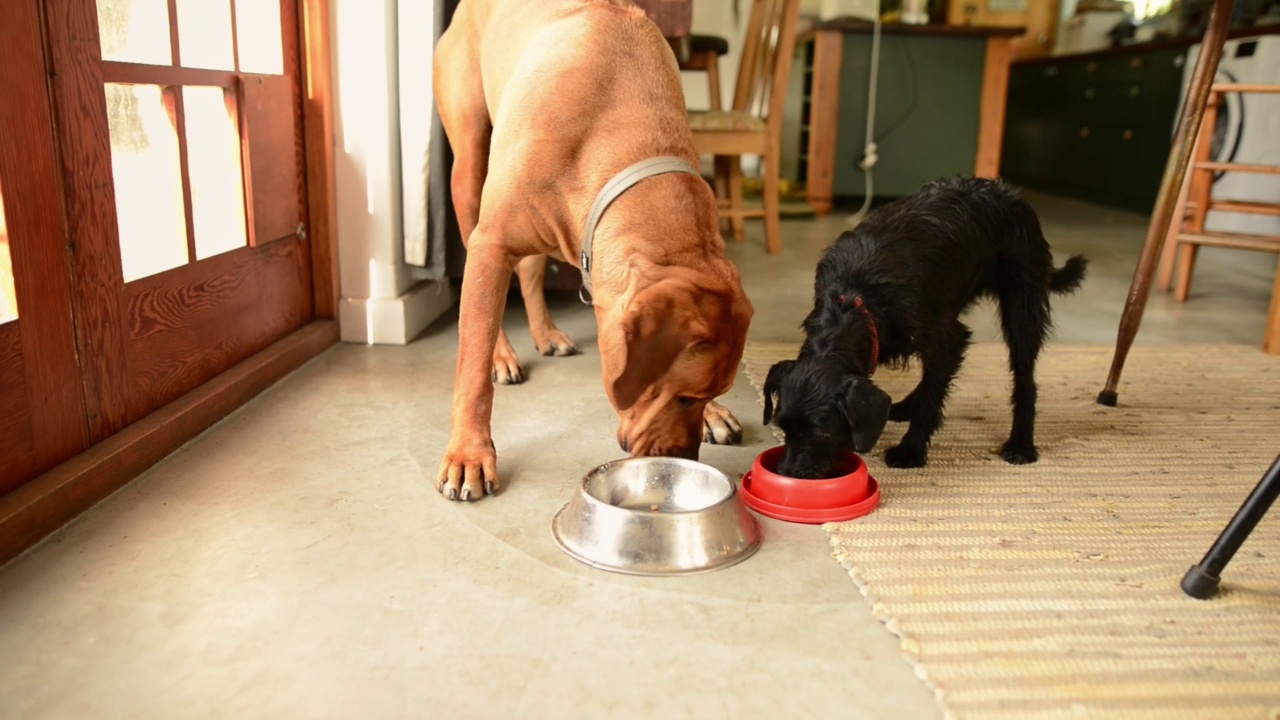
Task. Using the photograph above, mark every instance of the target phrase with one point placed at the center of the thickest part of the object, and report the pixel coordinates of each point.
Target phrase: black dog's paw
(905, 456)
(901, 411)
(1019, 453)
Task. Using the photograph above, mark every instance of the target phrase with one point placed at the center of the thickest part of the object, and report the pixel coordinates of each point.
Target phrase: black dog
(895, 287)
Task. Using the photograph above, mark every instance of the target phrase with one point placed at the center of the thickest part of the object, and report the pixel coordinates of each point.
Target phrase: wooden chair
(705, 52)
(1187, 231)
(754, 125)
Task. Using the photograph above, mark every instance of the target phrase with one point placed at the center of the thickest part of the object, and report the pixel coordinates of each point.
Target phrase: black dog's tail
(1067, 278)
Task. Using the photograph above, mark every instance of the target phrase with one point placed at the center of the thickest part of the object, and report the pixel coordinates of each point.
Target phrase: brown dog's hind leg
(469, 132)
(549, 339)
(719, 426)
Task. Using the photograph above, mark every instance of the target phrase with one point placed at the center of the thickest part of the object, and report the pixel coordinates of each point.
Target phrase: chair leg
(735, 199)
(1201, 193)
(713, 82)
(1271, 336)
(1170, 186)
(1201, 581)
(1170, 254)
(721, 165)
(772, 218)
(1187, 254)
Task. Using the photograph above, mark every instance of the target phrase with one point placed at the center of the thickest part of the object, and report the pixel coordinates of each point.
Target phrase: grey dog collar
(619, 184)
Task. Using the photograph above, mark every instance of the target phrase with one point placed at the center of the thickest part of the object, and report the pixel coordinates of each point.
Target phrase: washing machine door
(1228, 127)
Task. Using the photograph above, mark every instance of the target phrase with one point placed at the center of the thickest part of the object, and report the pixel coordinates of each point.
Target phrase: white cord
(869, 156)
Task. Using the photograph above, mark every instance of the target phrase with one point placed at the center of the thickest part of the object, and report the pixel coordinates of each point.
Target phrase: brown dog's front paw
(719, 426)
(506, 366)
(557, 343)
(469, 471)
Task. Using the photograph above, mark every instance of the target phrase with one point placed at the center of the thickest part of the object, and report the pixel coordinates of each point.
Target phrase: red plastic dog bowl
(845, 497)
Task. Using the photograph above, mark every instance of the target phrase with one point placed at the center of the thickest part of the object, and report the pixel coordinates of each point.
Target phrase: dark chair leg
(1170, 186)
(1201, 581)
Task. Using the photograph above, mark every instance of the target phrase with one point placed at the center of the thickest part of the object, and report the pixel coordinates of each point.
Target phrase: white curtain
(418, 25)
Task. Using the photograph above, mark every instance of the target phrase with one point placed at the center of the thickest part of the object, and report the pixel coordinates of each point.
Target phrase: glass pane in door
(135, 31)
(8, 300)
(148, 180)
(213, 162)
(204, 34)
(258, 37)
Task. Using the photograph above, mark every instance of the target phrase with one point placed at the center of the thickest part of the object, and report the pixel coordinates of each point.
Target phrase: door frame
(37, 508)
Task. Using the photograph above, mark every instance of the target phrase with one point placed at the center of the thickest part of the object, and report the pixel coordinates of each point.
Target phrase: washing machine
(1247, 131)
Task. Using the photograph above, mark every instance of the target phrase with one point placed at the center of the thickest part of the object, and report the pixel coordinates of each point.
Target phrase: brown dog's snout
(660, 447)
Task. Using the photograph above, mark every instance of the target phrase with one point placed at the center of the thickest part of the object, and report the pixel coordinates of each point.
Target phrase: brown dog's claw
(508, 373)
(506, 364)
(469, 471)
(556, 343)
(719, 426)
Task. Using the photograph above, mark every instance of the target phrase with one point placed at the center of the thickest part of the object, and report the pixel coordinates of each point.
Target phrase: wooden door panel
(189, 325)
(97, 279)
(42, 415)
(273, 157)
(151, 340)
(17, 443)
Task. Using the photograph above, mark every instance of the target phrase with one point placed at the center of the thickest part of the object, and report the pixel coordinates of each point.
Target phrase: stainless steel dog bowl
(656, 516)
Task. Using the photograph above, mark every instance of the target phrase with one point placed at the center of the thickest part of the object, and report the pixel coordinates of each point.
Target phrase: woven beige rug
(1051, 590)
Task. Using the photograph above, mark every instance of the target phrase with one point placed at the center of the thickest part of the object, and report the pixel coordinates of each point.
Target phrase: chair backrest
(767, 51)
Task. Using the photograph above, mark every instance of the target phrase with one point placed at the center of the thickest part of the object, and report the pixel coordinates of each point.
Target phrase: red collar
(871, 327)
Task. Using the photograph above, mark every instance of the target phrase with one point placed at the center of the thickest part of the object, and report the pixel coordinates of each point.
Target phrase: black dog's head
(824, 411)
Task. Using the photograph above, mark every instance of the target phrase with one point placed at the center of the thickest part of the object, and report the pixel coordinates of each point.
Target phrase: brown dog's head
(668, 350)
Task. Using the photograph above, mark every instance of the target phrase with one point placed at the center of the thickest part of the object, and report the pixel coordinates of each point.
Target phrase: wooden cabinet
(1095, 127)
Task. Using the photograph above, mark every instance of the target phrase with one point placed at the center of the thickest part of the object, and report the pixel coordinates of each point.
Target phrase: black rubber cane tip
(1199, 584)
(1108, 398)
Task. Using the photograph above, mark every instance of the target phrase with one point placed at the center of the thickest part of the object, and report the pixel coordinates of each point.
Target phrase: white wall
(380, 302)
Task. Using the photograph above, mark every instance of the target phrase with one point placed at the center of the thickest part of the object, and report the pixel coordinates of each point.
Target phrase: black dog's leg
(903, 409)
(941, 361)
(1024, 317)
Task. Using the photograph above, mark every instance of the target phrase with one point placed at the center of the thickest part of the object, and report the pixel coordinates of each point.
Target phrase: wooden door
(181, 149)
(41, 405)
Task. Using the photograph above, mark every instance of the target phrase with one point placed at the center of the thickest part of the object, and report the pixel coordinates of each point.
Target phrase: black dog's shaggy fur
(903, 277)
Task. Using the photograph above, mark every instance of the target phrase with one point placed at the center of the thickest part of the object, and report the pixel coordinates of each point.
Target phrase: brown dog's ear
(773, 386)
(654, 335)
(867, 408)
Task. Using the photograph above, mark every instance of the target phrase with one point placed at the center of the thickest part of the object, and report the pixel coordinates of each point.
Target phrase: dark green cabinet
(1096, 127)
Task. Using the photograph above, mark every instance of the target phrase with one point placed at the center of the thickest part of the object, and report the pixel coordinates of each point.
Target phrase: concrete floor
(295, 562)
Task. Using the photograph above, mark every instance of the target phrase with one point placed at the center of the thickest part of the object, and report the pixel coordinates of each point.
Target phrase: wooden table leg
(1175, 172)
(995, 94)
(824, 118)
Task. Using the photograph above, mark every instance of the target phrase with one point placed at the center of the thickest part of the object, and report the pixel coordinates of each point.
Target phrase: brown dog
(544, 104)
